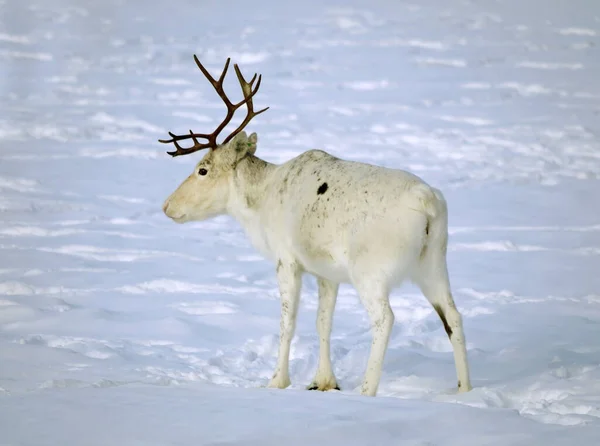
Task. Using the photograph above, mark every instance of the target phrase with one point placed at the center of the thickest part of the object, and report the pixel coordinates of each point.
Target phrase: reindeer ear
(251, 143)
(244, 145)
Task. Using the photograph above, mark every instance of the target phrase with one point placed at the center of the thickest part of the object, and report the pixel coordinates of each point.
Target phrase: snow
(119, 327)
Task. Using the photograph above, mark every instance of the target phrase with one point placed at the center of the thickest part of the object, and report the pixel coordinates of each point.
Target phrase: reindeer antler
(247, 90)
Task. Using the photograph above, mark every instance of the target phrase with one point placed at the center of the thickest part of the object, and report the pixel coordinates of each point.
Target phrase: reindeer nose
(165, 207)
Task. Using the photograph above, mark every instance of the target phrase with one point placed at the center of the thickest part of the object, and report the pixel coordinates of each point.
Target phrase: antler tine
(212, 138)
(248, 91)
(185, 151)
(194, 137)
(217, 85)
(182, 150)
(242, 81)
(175, 137)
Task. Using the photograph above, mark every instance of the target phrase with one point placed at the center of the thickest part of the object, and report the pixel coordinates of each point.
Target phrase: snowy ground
(118, 327)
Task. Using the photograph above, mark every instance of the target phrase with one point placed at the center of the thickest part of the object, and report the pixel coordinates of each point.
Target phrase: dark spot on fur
(250, 201)
(442, 316)
(322, 189)
(427, 228)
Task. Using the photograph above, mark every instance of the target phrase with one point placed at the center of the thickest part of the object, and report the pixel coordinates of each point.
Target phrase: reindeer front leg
(289, 279)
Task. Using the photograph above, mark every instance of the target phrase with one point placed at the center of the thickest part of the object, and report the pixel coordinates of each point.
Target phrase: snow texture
(119, 327)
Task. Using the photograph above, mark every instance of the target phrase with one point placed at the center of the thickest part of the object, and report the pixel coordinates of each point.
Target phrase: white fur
(343, 222)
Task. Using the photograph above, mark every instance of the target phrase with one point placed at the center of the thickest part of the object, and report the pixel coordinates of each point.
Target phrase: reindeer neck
(249, 184)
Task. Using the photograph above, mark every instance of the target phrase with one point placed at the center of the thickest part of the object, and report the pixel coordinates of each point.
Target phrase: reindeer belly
(321, 261)
(321, 243)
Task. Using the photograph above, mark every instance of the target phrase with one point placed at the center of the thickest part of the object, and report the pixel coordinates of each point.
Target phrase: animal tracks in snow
(556, 397)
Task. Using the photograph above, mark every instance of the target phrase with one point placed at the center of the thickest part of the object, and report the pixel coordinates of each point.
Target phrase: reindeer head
(205, 192)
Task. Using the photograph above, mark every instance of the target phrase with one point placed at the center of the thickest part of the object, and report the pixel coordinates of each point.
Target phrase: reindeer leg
(435, 286)
(289, 278)
(375, 298)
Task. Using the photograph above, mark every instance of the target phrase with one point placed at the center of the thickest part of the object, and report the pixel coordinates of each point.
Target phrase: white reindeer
(341, 221)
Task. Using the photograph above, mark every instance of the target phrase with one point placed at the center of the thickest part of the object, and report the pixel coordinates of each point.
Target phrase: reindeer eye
(202, 171)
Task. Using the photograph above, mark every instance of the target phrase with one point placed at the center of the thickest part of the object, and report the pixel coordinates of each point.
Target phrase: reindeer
(341, 221)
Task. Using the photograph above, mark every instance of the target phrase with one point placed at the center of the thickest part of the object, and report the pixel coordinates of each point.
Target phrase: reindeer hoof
(315, 386)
